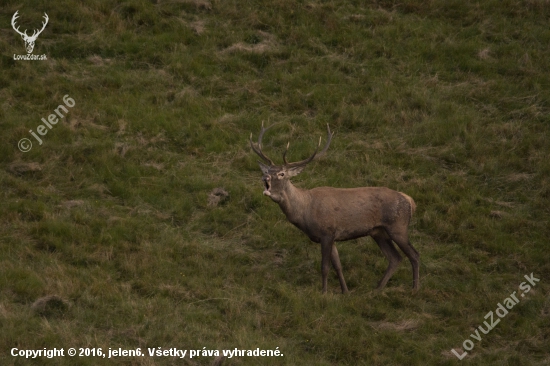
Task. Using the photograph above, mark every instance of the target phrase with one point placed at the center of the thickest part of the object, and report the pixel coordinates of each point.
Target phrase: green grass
(444, 100)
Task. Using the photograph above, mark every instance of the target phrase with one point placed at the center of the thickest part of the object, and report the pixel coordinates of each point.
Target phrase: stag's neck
(294, 204)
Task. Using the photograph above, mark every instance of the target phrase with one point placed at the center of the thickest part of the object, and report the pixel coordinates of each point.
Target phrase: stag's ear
(291, 172)
(263, 167)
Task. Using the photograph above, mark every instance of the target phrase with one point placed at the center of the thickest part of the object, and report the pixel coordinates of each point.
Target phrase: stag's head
(276, 177)
(29, 40)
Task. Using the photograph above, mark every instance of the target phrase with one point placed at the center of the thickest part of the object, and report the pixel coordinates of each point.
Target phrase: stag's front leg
(326, 254)
(335, 259)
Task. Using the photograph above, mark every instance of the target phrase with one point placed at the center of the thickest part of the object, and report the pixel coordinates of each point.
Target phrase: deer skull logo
(29, 40)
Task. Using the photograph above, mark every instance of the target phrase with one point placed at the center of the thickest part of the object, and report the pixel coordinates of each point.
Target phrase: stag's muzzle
(267, 185)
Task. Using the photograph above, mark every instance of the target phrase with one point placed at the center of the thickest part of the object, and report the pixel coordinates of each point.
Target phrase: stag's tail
(412, 205)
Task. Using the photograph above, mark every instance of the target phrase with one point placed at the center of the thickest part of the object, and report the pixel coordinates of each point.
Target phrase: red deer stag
(327, 214)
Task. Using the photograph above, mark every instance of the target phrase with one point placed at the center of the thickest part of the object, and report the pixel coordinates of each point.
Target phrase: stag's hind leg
(402, 240)
(386, 246)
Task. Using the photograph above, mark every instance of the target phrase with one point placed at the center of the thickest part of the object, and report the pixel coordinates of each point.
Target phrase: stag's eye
(281, 174)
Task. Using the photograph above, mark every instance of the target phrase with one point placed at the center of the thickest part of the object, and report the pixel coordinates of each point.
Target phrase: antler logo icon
(29, 40)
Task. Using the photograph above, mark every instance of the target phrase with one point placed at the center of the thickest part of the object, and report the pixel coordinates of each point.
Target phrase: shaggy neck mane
(294, 203)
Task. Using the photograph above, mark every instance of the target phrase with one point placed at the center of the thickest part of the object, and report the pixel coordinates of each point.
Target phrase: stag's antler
(258, 150)
(308, 160)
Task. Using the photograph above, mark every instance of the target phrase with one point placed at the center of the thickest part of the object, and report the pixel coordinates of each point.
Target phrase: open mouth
(267, 188)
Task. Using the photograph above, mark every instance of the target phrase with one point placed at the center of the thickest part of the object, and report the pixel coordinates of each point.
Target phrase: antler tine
(258, 150)
(329, 139)
(308, 160)
(284, 154)
(305, 161)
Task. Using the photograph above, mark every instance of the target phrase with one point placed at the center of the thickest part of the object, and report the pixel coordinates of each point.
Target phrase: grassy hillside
(107, 239)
